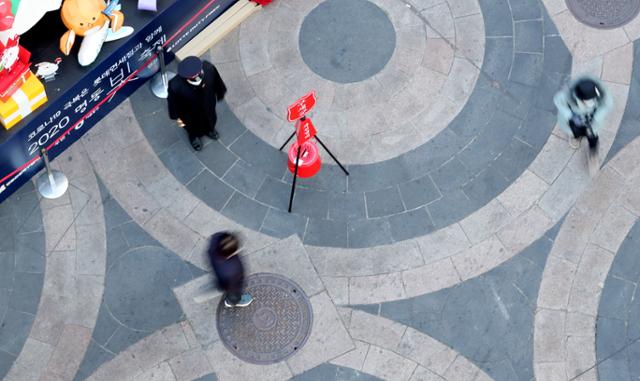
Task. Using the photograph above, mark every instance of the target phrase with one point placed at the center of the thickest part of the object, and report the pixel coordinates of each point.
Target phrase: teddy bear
(90, 19)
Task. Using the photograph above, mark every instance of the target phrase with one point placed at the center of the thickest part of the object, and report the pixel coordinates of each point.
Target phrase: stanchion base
(51, 191)
(157, 87)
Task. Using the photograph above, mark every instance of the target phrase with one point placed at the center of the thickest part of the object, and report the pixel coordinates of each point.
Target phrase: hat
(586, 89)
(190, 67)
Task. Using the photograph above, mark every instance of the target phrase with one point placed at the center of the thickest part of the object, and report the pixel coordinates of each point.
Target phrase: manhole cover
(275, 326)
(604, 14)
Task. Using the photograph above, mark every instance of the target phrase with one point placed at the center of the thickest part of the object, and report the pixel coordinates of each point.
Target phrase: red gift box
(12, 79)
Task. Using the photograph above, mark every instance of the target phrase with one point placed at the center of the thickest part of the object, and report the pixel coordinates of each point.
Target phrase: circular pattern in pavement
(347, 41)
(272, 328)
(604, 14)
(140, 283)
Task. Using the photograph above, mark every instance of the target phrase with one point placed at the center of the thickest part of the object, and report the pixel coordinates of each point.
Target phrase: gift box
(23, 102)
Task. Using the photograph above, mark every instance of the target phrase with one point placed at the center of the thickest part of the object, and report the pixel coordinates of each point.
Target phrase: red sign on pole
(302, 106)
(304, 131)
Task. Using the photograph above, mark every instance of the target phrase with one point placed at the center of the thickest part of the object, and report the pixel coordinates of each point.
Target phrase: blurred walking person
(582, 108)
(227, 266)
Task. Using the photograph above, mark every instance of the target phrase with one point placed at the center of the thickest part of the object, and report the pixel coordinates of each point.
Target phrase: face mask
(196, 81)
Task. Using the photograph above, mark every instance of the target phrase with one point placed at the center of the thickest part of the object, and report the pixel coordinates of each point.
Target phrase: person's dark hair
(587, 89)
(229, 244)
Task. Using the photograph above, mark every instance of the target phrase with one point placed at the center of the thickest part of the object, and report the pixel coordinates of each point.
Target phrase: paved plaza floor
(469, 241)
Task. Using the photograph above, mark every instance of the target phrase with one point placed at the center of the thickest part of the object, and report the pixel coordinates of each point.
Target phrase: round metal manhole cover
(604, 14)
(272, 328)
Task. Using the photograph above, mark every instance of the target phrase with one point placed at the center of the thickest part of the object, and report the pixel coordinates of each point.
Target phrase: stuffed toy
(92, 20)
(29, 12)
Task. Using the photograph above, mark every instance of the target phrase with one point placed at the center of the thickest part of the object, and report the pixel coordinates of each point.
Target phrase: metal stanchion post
(160, 81)
(52, 184)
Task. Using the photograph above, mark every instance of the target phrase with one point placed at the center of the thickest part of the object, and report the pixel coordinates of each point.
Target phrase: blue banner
(63, 121)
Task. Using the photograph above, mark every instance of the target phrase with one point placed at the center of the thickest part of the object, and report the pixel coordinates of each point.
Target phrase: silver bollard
(160, 82)
(52, 184)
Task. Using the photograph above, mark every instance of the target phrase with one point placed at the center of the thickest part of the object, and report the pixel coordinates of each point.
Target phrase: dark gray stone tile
(452, 207)
(330, 178)
(610, 337)
(414, 223)
(515, 99)
(633, 327)
(615, 368)
(7, 233)
(431, 155)
(93, 358)
(502, 370)
(161, 132)
(7, 269)
(274, 193)
(376, 176)
(557, 57)
(245, 211)
(181, 161)
(123, 338)
(207, 377)
(14, 331)
(550, 84)
(497, 17)
(629, 129)
(245, 178)
(373, 309)
(625, 265)
(330, 372)
(527, 68)
(537, 128)
(32, 223)
(281, 224)
(6, 209)
(367, 233)
(383, 202)
(5, 298)
(514, 160)
(228, 126)
(452, 175)
(105, 326)
(114, 215)
(477, 112)
(633, 353)
(6, 361)
(217, 158)
(260, 155)
(419, 192)
(211, 190)
(498, 57)
(525, 9)
(616, 298)
(24, 205)
(528, 36)
(312, 203)
(136, 236)
(27, 288)
(116, 245)
(549, 27)
(536, 253)
(30, 250)
(486, 186)
(345, 206)
(329, 233)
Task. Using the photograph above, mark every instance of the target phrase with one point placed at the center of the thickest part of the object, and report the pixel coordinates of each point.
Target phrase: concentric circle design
(347, 41)
(604, 14)
(275, 326)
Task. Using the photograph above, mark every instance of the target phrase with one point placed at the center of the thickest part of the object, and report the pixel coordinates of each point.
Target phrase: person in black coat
(228, 268)
(193, 94)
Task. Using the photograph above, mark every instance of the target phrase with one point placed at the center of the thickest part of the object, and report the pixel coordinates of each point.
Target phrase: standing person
(226, 264)
(193, 94)
(582, 108)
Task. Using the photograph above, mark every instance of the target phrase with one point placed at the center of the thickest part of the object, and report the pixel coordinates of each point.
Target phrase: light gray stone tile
(422, 374)
(564, 191)
(485, 221)
(176, 236)
(440, 21)
(375, 330)
(60, 278)
(443, 243)
(190, 365)
(353, 359)
(470, 35)
(388, 365)
(160, 346)
(552, 371)
(160, 372)
(91, 248)
(32, 361)
(431, 277)
(57, 221)
(580, 325)
(69, 351)
(523, 193)
(328, 339)
(580, 355)
(287, 257)
(53, 313)
(613, 228)
(590, 276)
(524, 230)
(376, 288)
(555, 287)
(618, 64)
(426, 351)
(230, 368)
(338, 289)
(462, 369)
(549, 344)
(480, 258)
(552, 159)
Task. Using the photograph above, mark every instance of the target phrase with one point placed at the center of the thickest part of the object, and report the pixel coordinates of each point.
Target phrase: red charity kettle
(309, 163)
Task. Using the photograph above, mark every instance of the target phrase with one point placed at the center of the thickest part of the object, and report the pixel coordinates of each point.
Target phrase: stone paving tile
(498, 18)
(245, 211)
(326, 372)
(488, 319)
(367, 233)
(410, 224)
(210, 189)
(383, 202)
(328, 233)
(282, 224)
(528, 36)
(181, 162)
(346, 206)
(244, 178)
(527, 68)
(217, 158)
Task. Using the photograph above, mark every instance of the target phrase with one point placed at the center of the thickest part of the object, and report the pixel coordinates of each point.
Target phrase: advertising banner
(63, 121)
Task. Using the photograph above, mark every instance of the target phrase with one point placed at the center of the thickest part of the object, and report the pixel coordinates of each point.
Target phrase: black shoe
(213, 134)
(196, 144)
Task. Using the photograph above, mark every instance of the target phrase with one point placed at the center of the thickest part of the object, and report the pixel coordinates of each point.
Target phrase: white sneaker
(245, 300)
